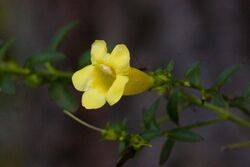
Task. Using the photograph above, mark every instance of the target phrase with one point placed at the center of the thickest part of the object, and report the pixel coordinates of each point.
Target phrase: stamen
(107, 69)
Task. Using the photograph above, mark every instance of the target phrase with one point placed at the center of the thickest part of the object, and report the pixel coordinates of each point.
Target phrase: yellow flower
(109, 76)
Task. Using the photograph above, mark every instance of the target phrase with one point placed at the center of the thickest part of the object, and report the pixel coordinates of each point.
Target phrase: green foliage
(193, 74)
(166, 151)
(246, 92)
(170, 66)
(34, 80)
(184, 135)
(5, 47)
(218, 99)
(173, 106)
(60, 35)
(44, 57)
(177, 92)
(6, 84)
(115, 131)
(84, 60)
(225, 76)
(149, 116)
(63, 97)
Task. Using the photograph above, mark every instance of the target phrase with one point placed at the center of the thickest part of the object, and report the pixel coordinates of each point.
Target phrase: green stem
(83, 122)
(236, 146)
(204, 123)
(13, 68)
(200, 124)
(221, 111)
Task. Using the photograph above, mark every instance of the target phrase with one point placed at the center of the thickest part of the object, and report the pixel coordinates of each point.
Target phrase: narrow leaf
(5, 47)
(151, 134)
(166, 151)
(84, 59)
(170, 66)
(184, 135)
(6, 84)
(172, 106)
(193, 73)
(149, 115)
(218, 99)
(63, 97)
(60, 35)
(246, 92)
(225, 76)
(44, 56)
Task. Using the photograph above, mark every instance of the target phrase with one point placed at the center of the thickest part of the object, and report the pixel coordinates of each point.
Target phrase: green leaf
(184, 135)
(246, 92)
(6, 84)
(173, 106)
(63, 97)
(151, 134)
(225, 76)
(33, 80)
(218, 99)
(166, 151)
(149, 115)
(5, 47)
(84, 60)
(44, 57)
(60, 35)
(193, 73)
(170, 66)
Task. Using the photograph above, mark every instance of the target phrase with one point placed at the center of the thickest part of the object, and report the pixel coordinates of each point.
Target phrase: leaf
(246, 92)
(184, 135)
(225, 76)
(172, 106)
(218, 99)
(166, 151)
(170, 66)
(149, 115)
(84, 60)
(193, 73)
(6, 84)
(60, 35)
(44, 56)
(5, 47)
(151, 134)
(63, 97)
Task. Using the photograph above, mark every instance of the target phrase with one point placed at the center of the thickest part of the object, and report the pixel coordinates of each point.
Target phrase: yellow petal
(138, 82)
(81, 79)
(119, 59)
(98, 51)
(116, 90)
(93, 99)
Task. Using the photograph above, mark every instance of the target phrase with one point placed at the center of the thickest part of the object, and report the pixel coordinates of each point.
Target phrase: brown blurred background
(35, 133)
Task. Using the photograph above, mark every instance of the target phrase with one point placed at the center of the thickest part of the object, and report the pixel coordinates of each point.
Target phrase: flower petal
(116, 90)
(98, 51)
(81, 79)
(119, 59)
(93, 99)
(138, 82)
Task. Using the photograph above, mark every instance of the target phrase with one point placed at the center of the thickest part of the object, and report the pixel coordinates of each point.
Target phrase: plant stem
(221, 111)
(236, 146)
(204, 123)
(13, 68)
(83, 122)
(200, 124)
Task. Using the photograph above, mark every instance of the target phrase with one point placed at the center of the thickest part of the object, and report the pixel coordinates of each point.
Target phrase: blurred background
(35, 133)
